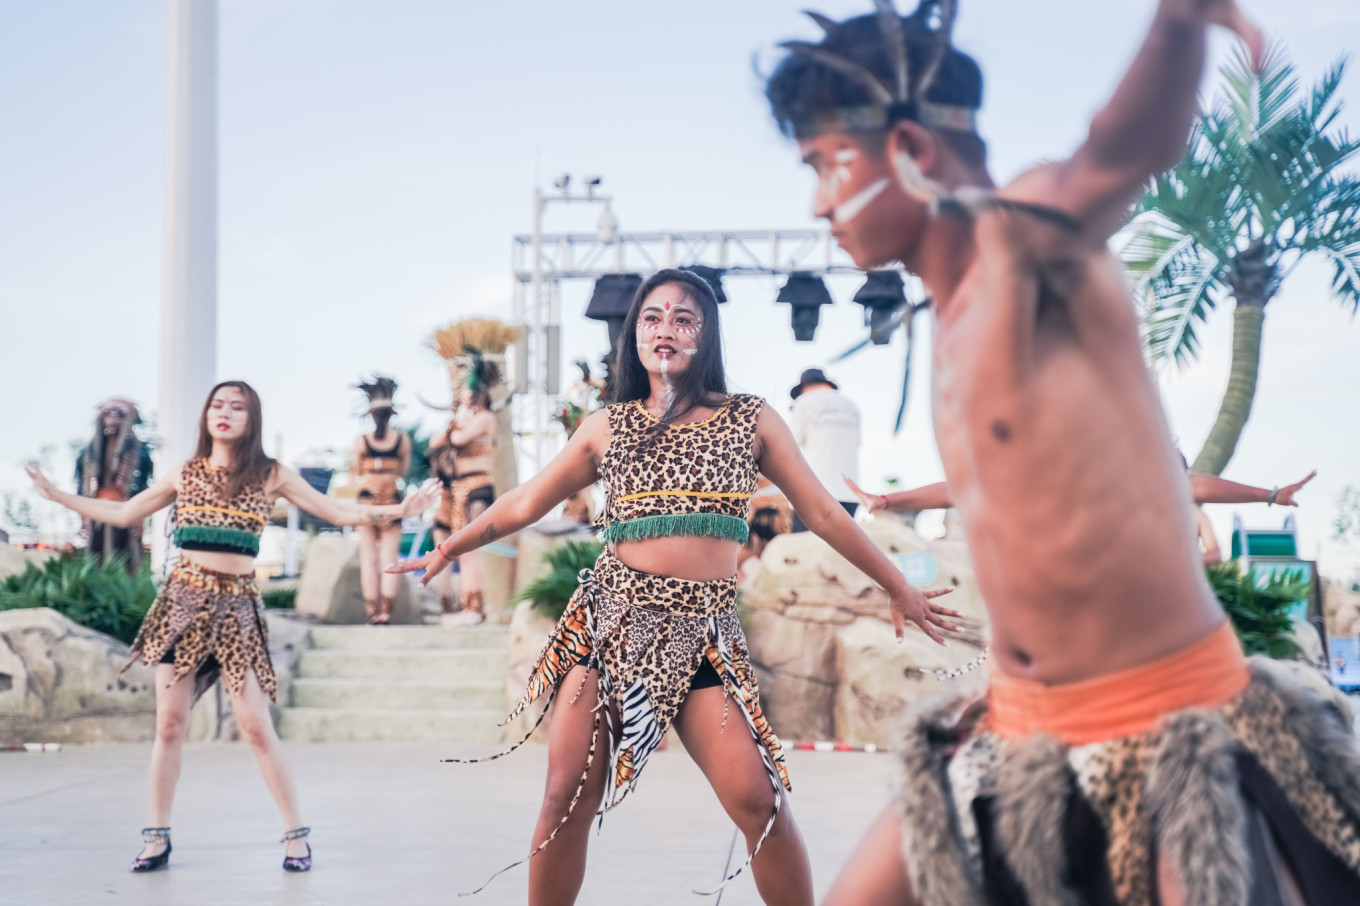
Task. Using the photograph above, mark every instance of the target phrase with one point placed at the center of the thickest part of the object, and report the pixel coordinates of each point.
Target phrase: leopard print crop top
(695, 479)
(205, 520)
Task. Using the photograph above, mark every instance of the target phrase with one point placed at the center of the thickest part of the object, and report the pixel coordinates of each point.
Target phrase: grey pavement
(391, 825)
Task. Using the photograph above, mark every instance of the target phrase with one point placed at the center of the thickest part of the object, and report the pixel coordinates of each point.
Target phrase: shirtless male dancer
(1125, 751)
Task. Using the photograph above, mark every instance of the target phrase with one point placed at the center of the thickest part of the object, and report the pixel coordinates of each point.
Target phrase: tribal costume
(378, 478)
(114, 466)
(1067, 794)
(654, 638)
(204, 621)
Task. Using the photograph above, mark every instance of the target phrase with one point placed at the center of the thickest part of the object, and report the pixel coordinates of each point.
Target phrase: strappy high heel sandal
(161, 859)
(297, 863)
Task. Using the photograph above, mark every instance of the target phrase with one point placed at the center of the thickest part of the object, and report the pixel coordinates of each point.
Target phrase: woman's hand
(433, 563)
(874, 503)
(421, 500)
(44, 487)
(914, 604)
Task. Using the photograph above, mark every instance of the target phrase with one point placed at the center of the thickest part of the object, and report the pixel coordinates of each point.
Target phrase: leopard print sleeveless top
(206, 520)
(694, 479)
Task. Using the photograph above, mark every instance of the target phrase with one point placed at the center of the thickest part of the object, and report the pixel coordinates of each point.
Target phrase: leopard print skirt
(213, 622)
(1005, 821)
(648, 636)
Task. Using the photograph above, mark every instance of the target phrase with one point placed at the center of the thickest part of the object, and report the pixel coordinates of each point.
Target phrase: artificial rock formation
(822, 639)
(60, 682)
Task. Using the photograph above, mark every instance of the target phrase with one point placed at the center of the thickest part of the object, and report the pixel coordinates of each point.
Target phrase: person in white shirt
(825, 424)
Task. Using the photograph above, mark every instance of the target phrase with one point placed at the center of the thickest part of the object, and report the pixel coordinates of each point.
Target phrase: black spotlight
(610, 300)
(881, 295)
(806, 294)
(712, 276)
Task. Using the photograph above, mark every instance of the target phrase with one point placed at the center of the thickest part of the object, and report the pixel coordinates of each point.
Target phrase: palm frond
(1181, 306)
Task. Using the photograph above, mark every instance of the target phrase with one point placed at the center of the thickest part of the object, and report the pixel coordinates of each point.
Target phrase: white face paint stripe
(850, 208)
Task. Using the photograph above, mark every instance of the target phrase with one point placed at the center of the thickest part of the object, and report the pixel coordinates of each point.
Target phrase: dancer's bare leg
(389, 549)
(733, 763)
(369, 565)
(172, 721)
(875, 874)
(251, 708)
(555, 874)
(470, 564)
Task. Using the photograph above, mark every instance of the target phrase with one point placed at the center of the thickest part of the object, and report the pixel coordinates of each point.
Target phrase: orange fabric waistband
(1210, 673)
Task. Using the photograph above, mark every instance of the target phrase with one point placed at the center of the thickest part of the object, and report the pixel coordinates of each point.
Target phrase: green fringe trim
(707, 525)
(241, 540)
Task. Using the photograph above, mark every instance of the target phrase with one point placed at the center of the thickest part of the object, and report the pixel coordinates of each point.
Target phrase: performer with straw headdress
(464, 455)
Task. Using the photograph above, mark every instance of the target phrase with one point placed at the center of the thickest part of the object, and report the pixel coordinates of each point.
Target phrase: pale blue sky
(376, 158)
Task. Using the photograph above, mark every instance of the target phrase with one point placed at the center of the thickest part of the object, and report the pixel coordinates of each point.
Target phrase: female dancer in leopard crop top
(652, 635)
(208, 618)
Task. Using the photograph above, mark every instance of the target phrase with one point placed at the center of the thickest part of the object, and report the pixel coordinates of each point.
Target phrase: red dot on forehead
(668, 306)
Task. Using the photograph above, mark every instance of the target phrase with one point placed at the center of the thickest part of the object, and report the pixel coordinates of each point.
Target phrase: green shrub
(280, 598)
(99, 595)
(551, 593)
(1259, 613)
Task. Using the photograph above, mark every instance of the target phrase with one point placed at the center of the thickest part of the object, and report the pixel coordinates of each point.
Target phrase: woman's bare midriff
(696, 559)
(218, 561)
(472, 465)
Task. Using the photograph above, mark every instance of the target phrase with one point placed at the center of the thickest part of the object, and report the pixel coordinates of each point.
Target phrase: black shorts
(210, 663)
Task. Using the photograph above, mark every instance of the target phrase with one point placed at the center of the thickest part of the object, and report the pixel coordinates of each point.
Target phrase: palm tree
(1259, 190)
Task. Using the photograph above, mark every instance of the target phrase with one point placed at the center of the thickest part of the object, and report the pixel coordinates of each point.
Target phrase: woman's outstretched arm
(292, 487)
(783, 464)
(118, 513)
(576, 467)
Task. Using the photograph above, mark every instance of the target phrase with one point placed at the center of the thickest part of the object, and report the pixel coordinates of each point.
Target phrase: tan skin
(1055, 448)
(474, 424)
(378, 544)
(227, 422)
(668, 325)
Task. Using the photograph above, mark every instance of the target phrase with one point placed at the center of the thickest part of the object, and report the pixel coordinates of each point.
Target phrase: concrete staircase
(411, 683)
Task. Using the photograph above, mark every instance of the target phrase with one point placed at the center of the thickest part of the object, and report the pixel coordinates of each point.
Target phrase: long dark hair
(703, 383)
(248, 462)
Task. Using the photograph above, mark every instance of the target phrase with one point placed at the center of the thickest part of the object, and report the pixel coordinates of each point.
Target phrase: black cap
(812, 376)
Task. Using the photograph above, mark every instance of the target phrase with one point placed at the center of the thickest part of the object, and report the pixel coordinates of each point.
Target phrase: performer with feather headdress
(380, 461)
(1125, 752)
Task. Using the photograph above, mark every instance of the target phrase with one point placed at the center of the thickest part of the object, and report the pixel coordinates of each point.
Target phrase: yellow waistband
(733, 494)
(218, 509)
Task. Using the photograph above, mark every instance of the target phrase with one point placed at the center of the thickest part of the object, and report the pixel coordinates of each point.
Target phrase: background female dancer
(379, 461)
(678, 456)
(1125, 752)
(208, 618)
(463, 456)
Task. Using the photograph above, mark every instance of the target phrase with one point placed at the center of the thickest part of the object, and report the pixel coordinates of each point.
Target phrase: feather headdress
(379, 389)
(903, 94)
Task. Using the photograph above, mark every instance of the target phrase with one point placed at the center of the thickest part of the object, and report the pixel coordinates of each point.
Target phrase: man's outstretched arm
(1142, 130)
(1212, 489)
(927, 497)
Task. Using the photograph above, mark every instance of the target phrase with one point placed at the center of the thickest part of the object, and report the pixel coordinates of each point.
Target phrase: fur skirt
(1221, 793)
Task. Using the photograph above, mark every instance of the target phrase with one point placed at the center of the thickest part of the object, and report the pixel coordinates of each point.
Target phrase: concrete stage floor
(391, 825)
